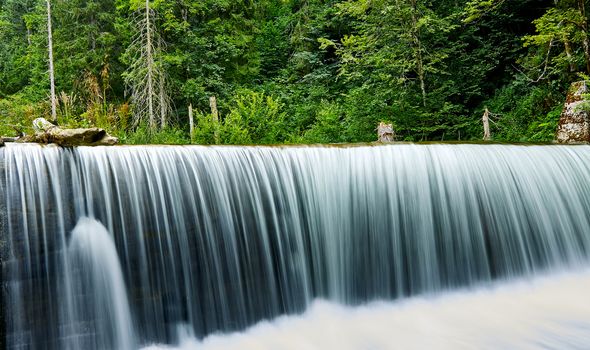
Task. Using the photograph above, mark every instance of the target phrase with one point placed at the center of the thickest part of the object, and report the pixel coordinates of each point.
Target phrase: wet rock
(46, 132)
(574, 123)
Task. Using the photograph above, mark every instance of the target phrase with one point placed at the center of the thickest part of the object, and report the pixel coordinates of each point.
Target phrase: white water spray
(98, 290)
(540, 314)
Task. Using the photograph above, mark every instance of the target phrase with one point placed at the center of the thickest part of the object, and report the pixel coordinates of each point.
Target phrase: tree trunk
(150, 68)
(191, 122)
(146, 77)
(586, 46)
(215, 116)
(486, 125)
(418, 50)
(162, 94)
(51, 70)
(568, 53)
(163, 112)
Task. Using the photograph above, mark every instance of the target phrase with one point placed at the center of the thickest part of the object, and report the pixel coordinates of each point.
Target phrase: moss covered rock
(574, 123)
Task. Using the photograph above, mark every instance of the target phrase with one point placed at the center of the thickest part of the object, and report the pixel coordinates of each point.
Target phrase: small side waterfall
(219, 238)
(98, 291)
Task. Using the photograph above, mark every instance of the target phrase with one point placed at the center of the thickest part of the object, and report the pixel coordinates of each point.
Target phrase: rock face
(46, 132)
(574, 124)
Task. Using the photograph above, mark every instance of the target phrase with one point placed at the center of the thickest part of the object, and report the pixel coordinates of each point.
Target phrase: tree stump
(385, 133)
(215, 116)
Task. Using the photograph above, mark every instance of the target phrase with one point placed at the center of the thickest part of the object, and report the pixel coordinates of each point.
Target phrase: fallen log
(46, 132)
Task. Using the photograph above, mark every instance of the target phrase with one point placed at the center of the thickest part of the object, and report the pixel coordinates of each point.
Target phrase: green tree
(562, 38)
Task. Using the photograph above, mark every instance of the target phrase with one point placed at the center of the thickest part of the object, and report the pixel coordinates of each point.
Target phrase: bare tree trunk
(191, 122)
(163, 111)
(215, 116)
(418, 49)
(421, 77)
(586, 45)
(145, 75)
(162, 95)
(51, 70)
(150, 67)
(486, 125)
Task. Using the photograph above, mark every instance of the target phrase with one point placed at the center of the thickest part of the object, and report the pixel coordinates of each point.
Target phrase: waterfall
(515, 315)
(97, 285)
(219, 238)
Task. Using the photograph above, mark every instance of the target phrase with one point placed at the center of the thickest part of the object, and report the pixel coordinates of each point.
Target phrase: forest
(292, 71)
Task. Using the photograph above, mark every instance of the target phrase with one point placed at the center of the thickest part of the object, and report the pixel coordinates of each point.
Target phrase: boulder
(574, 123)
(46, 132)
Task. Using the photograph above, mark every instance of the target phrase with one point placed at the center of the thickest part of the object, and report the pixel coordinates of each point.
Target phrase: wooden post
(215, 116)
(191, 122)
(486, 125)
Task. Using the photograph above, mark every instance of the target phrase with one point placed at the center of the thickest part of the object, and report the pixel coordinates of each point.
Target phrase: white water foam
(99, 287)
(545, 313)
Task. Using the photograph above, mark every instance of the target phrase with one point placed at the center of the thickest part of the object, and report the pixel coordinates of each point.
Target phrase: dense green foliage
(294, 71)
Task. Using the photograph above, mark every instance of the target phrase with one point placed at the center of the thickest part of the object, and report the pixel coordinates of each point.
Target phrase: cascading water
(219, 238)
(98, 290)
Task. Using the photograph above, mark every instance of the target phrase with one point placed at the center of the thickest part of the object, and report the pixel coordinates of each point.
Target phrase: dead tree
(486, 125)
(145, 76)
(51, 70)
(214, 116)
(418, 49)
(191, 122)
